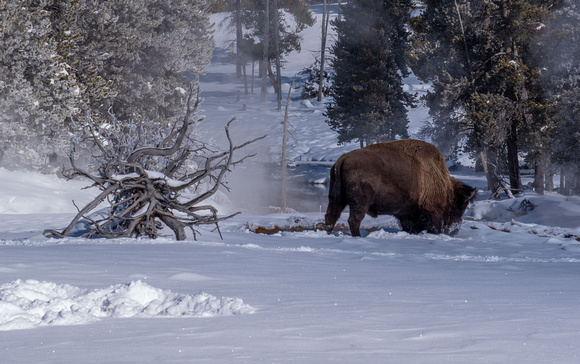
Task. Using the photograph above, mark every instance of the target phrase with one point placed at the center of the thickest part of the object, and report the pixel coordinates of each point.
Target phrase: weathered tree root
(142, 201)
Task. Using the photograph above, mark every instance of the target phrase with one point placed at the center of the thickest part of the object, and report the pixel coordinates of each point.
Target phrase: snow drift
(30, 303)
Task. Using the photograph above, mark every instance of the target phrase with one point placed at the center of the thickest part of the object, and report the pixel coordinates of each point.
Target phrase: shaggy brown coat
(404, 178)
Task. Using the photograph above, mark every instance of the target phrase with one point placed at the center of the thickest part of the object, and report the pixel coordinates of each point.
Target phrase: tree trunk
(493, 182)
(567, 189)
(576, 186)
(563, 181)
(570, 181)
(265, 52)
(273, 79)
(253, 74)
(322, 51)
(467, 57)
(239, 38)
(484, 166)
(277, 49)
(488, 168)
(539, 174)
(549, 180)
(285, 147)
(513, 163)
(175, 225)
(245, 78)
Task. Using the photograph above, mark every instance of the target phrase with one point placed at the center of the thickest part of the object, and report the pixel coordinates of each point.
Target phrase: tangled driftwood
(141, 201)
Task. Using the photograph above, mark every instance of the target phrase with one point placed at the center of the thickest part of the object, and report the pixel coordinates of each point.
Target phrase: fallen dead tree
(275, 229)
(141, 199)
(295, 224)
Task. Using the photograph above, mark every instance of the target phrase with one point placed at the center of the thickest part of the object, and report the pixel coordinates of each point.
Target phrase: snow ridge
(30, 303)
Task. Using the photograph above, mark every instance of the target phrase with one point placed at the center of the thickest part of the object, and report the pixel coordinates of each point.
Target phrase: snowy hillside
(504, 290)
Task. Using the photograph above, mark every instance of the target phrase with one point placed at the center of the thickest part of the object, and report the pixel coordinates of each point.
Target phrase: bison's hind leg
(358, 210)
(354, 220)
(333, 211)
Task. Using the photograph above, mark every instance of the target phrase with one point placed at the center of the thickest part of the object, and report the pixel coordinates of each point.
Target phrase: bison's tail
(335, 180)
(335, 201)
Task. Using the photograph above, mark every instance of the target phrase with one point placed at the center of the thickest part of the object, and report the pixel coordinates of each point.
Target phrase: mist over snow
(503, 290)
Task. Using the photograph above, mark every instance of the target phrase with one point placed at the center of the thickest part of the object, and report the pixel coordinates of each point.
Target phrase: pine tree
(438, 56)
(560, 53)
(311, 86)
(477, 54)
(369, 63)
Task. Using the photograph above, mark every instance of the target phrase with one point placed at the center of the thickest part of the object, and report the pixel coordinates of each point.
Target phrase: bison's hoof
(329, 229)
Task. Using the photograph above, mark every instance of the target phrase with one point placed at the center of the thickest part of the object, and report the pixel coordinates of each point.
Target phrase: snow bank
(29, 193)
(28, 304)
(550, 209)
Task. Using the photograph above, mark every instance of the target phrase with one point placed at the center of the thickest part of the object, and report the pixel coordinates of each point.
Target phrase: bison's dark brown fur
(404, 178)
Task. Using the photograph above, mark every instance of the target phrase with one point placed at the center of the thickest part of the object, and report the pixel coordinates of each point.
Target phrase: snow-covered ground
(504, 290)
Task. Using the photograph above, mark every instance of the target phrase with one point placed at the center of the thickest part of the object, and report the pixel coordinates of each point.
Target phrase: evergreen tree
(477, 54)
(311, 86)
(369, 63)
(560, 54)
(438, 56)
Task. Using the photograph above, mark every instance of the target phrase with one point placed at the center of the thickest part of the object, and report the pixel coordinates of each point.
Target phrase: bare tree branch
(153, 151)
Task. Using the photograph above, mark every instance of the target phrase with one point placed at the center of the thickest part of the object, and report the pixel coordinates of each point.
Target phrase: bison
(404, 178)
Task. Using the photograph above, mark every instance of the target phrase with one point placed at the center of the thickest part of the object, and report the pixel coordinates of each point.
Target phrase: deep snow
(504, 290)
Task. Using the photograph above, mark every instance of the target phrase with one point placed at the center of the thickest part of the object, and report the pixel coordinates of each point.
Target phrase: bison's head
(463, 195)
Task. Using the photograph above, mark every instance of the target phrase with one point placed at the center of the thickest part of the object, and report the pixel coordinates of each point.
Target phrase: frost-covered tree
(369, 62)
(560, 53)
(74, 62)
(39, 89)
(145, 48)
(293, 17)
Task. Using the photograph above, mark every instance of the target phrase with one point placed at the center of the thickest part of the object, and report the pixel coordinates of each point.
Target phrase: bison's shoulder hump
(415, 152)
(410, 147)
